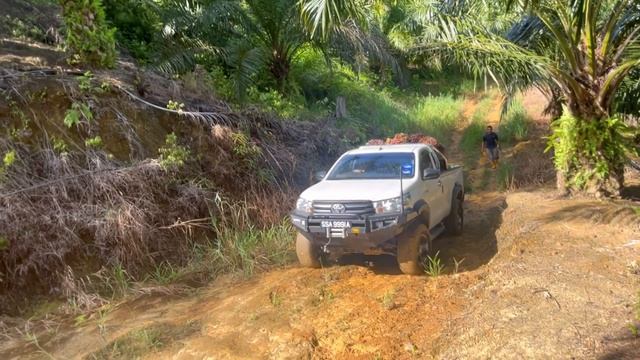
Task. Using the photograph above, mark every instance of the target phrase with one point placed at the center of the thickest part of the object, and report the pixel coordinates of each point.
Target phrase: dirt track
(541, 278)
(538, 277)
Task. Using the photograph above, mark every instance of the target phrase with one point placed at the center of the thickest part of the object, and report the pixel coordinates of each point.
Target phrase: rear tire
(454, 223)
(308, 254)
(409, 255)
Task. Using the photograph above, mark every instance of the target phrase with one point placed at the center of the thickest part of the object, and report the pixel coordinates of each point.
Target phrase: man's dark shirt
(490, 140)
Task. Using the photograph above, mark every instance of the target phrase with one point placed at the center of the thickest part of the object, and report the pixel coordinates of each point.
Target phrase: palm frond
(245, 61)
(322, 15)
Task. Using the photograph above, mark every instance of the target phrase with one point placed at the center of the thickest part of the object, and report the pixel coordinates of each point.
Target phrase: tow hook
(325, 247)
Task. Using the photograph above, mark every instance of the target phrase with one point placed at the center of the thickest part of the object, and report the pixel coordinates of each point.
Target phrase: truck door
(432, 191)
(448, 181)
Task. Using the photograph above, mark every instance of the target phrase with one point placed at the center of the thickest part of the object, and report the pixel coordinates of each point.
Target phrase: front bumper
(369, 234)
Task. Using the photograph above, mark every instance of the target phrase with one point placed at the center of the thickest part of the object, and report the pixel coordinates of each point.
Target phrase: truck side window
(441, 160)
(426, 161)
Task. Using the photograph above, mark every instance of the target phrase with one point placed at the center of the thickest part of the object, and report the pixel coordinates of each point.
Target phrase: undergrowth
(514, 127)
(505, 176)
(436, 116)
(597, 163)
(472, 134)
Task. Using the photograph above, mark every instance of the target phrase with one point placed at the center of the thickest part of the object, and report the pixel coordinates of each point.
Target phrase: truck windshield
(374, 166)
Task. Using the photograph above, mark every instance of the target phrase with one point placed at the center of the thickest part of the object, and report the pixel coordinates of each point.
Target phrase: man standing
(490, 145)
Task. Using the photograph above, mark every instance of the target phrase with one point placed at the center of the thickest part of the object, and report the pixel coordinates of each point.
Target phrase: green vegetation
(505, 175)
(165, 273)
(133, 345)
(88, 37)
(78, 112)
(94, 142)
(298, 58)
(472, 134)
(172, 155)
(9, 159)
(251, 248)
(174, 105)
(436, 116)
(514, 127)
(433, 265)
(609, 140)
(388, 299)
(4, 243)
(558, 43)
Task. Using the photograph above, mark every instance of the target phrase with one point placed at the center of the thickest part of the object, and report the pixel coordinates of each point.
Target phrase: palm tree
(255, 36)
(248, 35)
(584, 49)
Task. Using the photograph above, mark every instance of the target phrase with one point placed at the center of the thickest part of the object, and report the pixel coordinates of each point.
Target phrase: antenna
(401, 192)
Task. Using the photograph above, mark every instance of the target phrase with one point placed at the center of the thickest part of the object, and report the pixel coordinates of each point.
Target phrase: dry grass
(64, 212)
(84, 225)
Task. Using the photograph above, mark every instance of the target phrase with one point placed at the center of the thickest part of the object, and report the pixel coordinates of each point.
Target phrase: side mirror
(319, 175)
(431, 173)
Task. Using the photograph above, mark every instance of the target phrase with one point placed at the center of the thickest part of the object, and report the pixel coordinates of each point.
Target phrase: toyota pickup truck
(382, 199)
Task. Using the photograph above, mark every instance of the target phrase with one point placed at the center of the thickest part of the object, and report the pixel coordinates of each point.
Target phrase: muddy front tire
(410, 250)
(308, 254)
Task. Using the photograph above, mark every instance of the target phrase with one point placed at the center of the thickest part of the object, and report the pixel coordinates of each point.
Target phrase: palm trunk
(279, 68)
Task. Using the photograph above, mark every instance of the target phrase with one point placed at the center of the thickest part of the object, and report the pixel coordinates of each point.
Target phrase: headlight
(393, 205)
(388, 206)
(303, 205)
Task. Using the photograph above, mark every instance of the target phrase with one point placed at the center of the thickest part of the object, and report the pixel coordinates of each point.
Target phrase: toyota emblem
(338, 208)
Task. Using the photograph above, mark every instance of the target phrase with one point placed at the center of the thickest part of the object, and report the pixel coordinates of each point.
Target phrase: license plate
(335, 224)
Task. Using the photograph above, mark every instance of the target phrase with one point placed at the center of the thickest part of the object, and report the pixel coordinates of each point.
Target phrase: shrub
(78, 111)
(172, 155)
(88, 37)
(136, 23)
(590, 153)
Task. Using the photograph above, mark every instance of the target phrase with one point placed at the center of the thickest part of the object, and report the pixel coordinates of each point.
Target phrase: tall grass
(251, 249)
(514, 127)
(376, 109)
(471, 140)
(436, 116)
(505, 176)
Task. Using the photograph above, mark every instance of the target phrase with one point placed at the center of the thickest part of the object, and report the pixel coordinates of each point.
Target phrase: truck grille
(351, 208)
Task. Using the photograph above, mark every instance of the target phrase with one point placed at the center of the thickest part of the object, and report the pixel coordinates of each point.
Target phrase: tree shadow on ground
(597, 213)
(623, 346)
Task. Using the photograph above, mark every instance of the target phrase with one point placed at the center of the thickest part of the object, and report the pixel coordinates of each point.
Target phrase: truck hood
(345, 190)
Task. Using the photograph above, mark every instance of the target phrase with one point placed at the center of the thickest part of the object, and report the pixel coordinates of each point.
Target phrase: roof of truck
(367, 149)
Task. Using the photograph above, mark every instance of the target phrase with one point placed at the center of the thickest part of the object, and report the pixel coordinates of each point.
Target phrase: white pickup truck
(388, 199)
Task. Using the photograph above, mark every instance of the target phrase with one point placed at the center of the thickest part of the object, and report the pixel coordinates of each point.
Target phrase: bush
(88, 37)
(172, 155)
(591, 154)
(137, 25)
